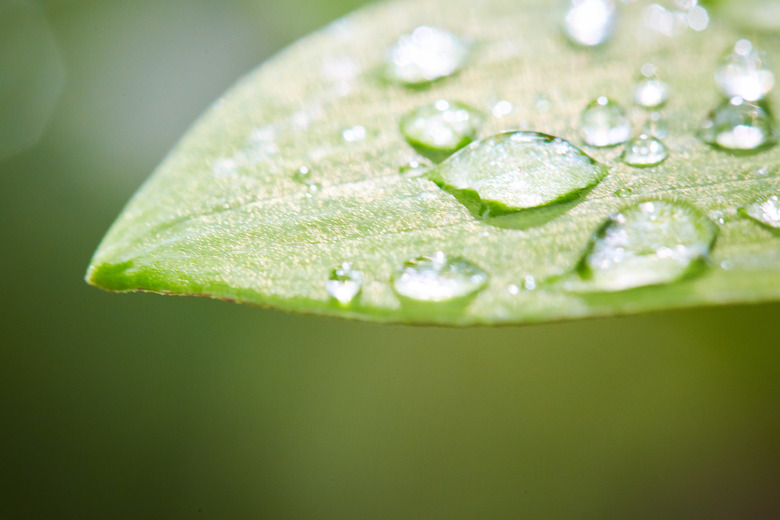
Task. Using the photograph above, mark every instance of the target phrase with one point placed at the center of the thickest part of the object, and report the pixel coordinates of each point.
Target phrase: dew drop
(502, 109)
(513, 289)
(425, 55)
(344, 283)
(738, 126)
(590, 22)
(517, 170)
(656, 126)
(356, 133)
(649, 91)
(438, 278)
(649, 243)
(302, 175)
(764, 211)
(744, 73)
(645, 151)
(529, 283)
(440, 129)
(603, 123)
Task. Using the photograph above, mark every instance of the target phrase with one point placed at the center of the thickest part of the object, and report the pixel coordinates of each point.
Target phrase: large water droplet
(438, 278)
(517, 170)
(744, 72)
(765, 211)
(649, 91)
(603, 123)
(590, 22)
(344, 283)
(440, 129)
(425, 55)
(738, 126)
(645, 151)
(648, 243)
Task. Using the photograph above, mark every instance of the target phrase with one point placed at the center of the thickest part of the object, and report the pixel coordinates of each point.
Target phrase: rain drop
(649, 91)
(743, 72)
(517, 170)
(765, 211)
(590, 22)
(650, 243)
(645, 151)
(440, 129)
(738, 126)
(603, 123)
(438, 278)
(344, 283)
(425, 55)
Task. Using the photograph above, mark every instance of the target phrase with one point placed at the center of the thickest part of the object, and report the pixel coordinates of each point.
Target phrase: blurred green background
(141, 406)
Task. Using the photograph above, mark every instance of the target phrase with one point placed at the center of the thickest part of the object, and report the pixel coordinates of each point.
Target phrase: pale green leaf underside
(253, 235)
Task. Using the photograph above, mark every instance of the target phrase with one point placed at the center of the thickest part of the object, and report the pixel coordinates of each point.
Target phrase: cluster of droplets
(741, 123)
(648, 243)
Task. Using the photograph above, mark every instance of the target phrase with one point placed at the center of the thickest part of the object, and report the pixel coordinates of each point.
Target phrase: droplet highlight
(590, 23)
(344, 283)
(438, 130)
(426, 55)
(603, 123)
(744, 72)
(650, 243)
(649, 91)
(765, 211)
(438, 279)
(738, 126)
(517, 170)
(645, 151)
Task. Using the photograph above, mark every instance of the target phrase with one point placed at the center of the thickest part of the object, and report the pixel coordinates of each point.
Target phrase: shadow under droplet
(531, 218)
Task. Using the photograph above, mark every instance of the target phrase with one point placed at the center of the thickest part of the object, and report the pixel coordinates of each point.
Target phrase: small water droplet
(649, 243)
(765, 211)
(426, 55)
(645, 151)
(512, 289)
(744, 73)
(761, 171)
(517, 170)
(502, 109)
(441, 128)
(529, 283)
(590, 22)
(313, 189)
(603, 123)
(698, 18)
(622, 193)
(356, 133)
(649, 91)
(738, 126)
(726, 265)
(344, 283)
(438, 278)
(656, 125)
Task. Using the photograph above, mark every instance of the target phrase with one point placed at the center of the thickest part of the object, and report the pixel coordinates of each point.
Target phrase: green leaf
(226, 215)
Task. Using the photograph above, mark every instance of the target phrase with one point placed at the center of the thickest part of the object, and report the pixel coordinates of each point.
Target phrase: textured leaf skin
(253, 235)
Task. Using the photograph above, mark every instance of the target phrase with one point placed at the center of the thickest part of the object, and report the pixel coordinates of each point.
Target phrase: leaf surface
(226, 215)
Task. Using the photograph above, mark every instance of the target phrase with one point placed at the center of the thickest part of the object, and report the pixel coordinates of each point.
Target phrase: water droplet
(648, 243)
(312, 189)
(744, 72)
(542, 103)
(517, 170)
(344, 283)
(414, 168)
(623, 193)
(529, 283)
(590, 22)
(512, 289)
(356, 133)
(761, 171)
(438, 278)
(698, 18)
(502, 109)
(649, 91)
(603, 123)
(656, 126)
(645, 151)
(426, 55)
(726, 265)
(441, 128)
(738, 126)
(765, 211)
